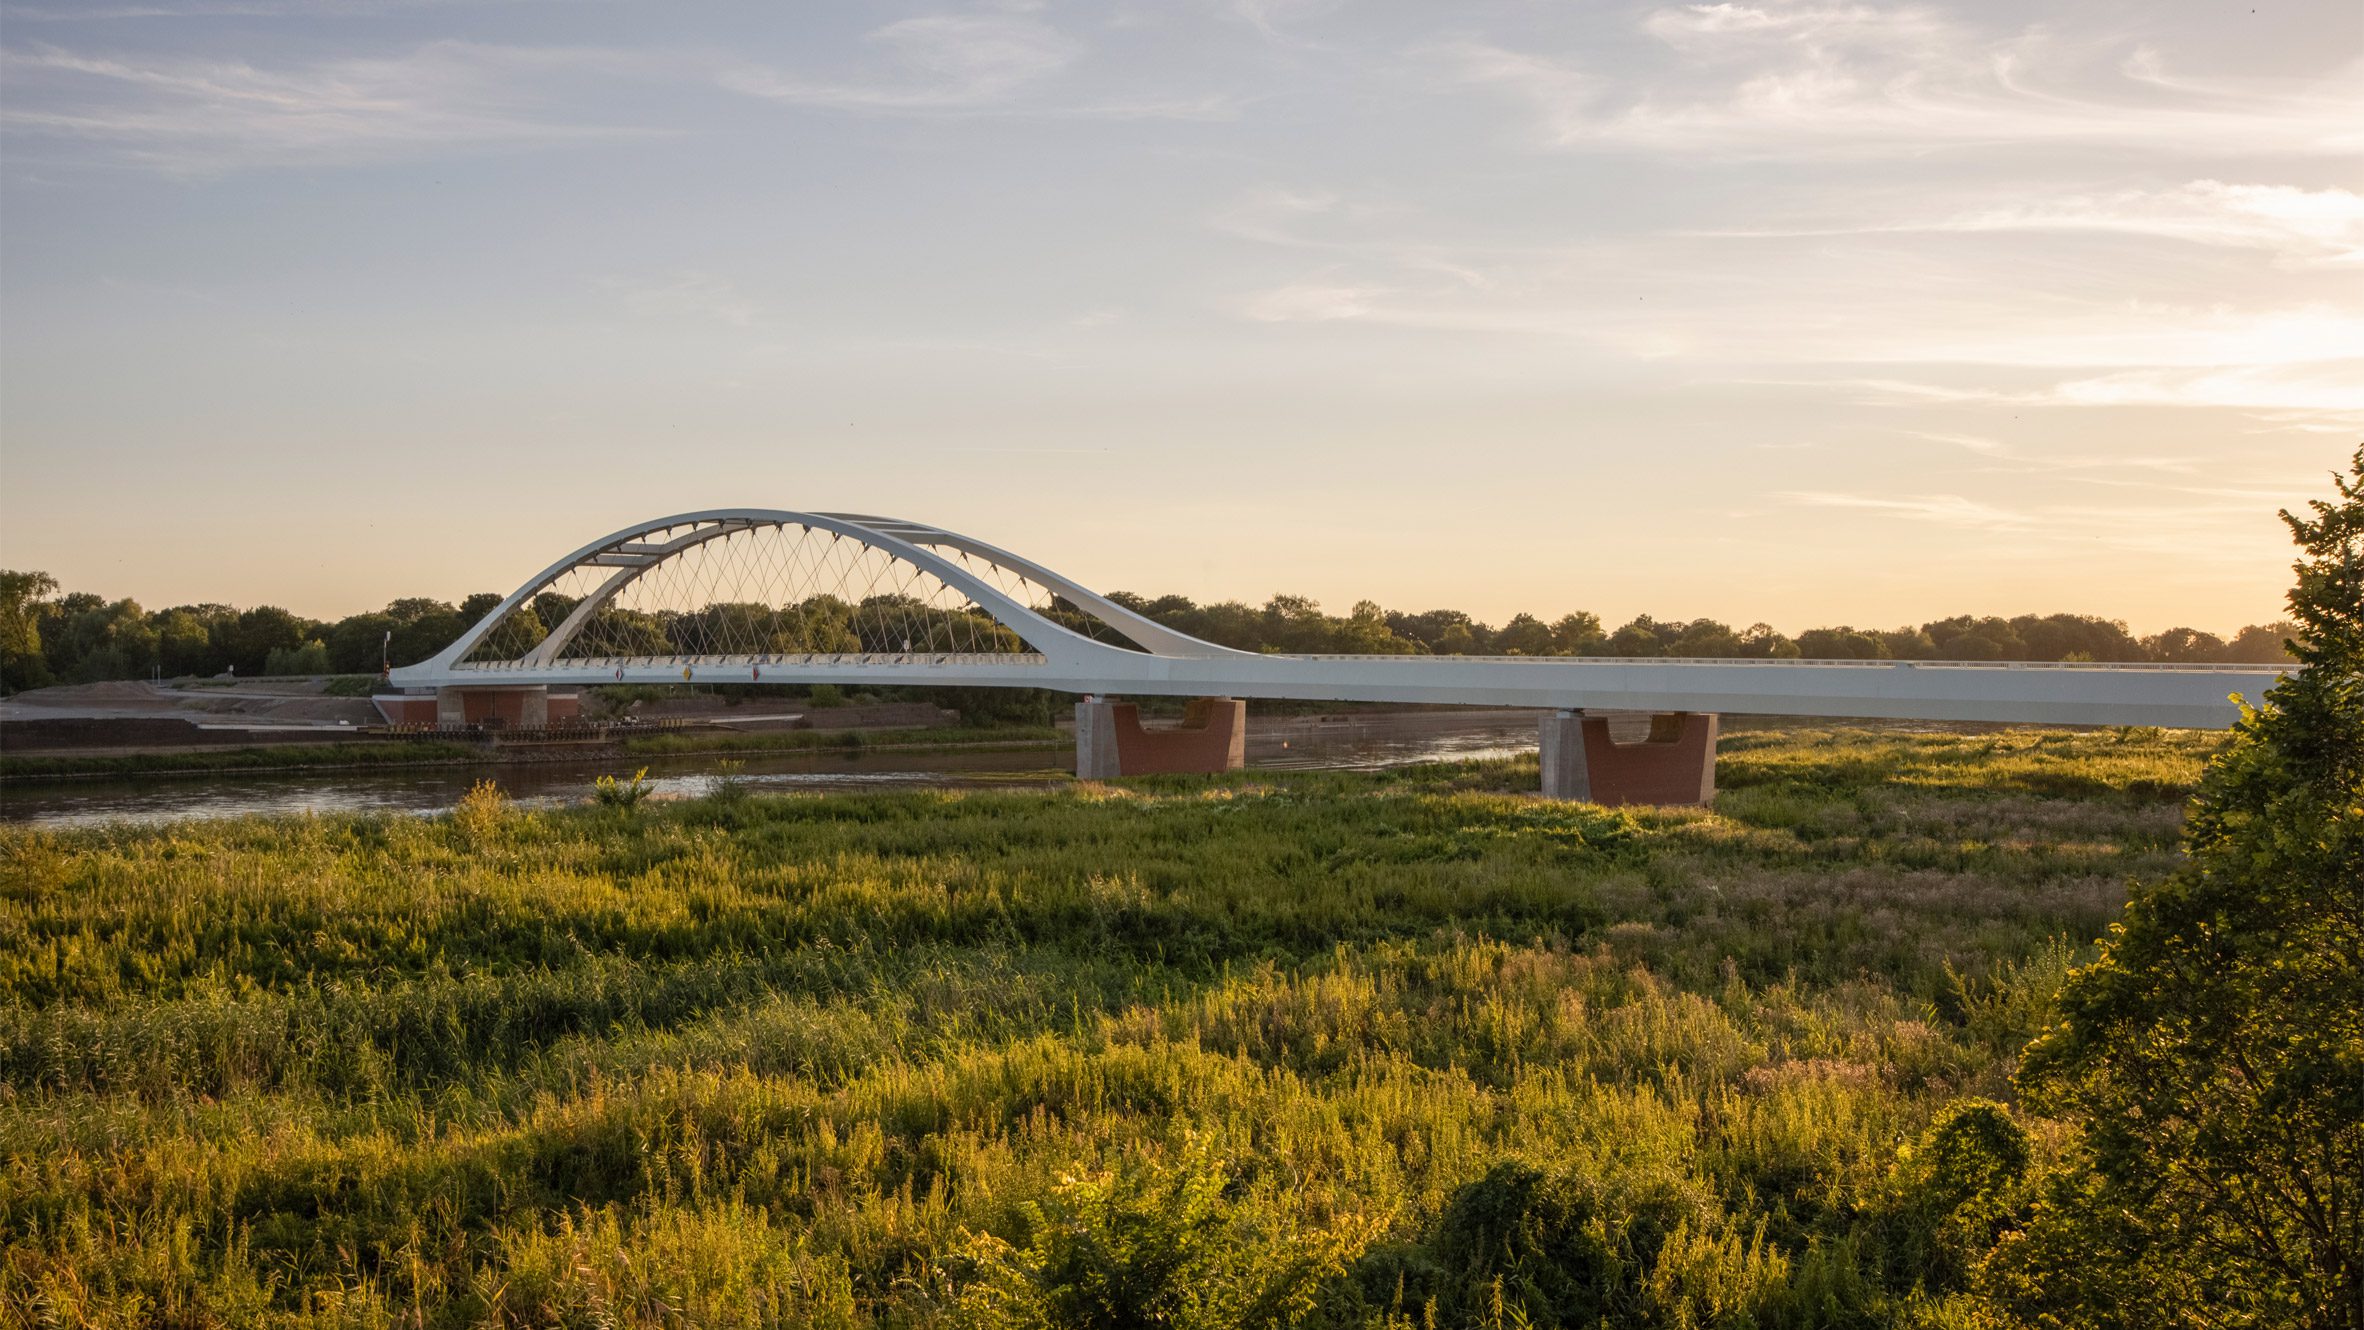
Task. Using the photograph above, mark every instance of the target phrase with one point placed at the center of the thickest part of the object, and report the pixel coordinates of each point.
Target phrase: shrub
(481, 811)
(612, 793)
(1150, 1244)
(730, 781)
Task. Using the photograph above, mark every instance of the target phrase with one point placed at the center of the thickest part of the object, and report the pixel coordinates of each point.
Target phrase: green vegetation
(607, 790)
(2215, 1053)
(1326, 1049)
(266, 757)
(47, 639)
(1401, 1050)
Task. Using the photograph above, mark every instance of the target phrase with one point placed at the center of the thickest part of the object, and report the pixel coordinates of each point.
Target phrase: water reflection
(1364, 743)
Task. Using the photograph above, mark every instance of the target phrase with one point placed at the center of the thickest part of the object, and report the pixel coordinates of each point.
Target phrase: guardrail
(757, 662)
(1032, 658)
(2208, 667)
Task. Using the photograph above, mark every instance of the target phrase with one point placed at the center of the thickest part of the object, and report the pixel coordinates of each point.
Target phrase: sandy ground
(301, 702)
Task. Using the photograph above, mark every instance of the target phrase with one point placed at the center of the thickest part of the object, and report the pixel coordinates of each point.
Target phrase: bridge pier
(1676, 765)
(513, 706)
(1109, 740)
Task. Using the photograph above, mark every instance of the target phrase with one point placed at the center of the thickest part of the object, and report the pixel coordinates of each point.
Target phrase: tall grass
(1398, 1049)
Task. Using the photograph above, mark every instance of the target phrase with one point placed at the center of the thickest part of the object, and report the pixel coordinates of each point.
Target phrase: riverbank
(365, 754)
(918, 1056)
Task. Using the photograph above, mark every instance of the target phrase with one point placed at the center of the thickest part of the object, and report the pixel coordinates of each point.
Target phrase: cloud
(934, 62)
(692, 294)
(2131, 333)
(2324, 395)
(1273, 18)
(2315, 397)
(2320, 224)
(1313, 302)
(2214, 523)
(1864, 80)
(1943, 509)
(2298, 226)
(195, 115)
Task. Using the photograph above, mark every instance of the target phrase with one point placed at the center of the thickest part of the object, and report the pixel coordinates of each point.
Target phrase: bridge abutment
(1110, 741)
(1675, 765)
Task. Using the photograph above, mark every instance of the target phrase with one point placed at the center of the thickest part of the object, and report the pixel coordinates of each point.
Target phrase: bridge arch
(912, 591)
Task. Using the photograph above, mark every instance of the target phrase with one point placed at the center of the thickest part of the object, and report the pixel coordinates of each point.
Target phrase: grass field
(266, 757)
(1408, 1049)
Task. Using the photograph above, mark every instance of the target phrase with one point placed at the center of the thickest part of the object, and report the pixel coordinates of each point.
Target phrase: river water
(1351, 742)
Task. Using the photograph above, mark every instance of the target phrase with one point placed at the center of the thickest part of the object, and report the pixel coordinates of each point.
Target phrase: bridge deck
(2178, 696)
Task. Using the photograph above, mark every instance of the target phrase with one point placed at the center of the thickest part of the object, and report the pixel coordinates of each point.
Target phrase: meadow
(1403, 1049)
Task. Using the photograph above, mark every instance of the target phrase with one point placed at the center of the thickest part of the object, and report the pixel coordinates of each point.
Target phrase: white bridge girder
(1174, 664)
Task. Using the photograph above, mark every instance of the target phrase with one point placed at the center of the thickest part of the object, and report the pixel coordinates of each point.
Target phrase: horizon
(1609, 622)
(1810, 314)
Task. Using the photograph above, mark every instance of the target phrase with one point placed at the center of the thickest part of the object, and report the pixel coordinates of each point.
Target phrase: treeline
(1297, 624)
(79, 637)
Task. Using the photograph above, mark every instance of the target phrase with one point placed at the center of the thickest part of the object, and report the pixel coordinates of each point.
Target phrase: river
(1362, 742)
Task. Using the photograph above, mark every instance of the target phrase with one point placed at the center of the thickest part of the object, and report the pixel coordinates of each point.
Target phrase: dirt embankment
(136, 714)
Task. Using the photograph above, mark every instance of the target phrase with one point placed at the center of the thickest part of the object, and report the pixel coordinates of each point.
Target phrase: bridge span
(765, 596)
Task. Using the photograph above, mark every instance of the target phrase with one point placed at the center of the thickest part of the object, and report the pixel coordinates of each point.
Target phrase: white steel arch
(1171, 663)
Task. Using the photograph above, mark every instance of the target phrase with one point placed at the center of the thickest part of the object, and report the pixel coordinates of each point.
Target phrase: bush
(1148, 1244)
(609, 792)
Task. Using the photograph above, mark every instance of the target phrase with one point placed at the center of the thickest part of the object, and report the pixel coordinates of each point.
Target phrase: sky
(1810, 313)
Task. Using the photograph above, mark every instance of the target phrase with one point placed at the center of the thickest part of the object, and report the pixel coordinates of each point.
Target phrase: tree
(184, 644)
(1524, 635)
(258, 632)
(2214, 1054)
(1644, 636)
(21, 595)
(2261, 643)
(2178, 644)
(1840, 644)
(1578, 634)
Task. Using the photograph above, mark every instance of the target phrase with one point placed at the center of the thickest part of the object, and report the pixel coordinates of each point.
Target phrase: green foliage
(2214, 1055)
(1250, 1049)
(481, 812)
(310, 658)
(268, 757)
(730, 782)
(609, 792)
(1151, 1243)
(46, 639)
(21, 662)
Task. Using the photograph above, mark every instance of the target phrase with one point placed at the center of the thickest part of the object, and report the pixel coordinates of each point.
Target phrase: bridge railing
(2213, 667)
(829, 659)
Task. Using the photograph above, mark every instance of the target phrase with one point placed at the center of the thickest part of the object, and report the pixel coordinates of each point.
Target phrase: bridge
(765, 596)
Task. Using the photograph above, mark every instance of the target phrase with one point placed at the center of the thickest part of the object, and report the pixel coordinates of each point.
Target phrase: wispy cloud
(692, 294)
(2214, 522)
(1943, 509)
(2325, 397)
(194, 115)
(1862, 79)
(928, 63)
(2298, 226)
(990, 63)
